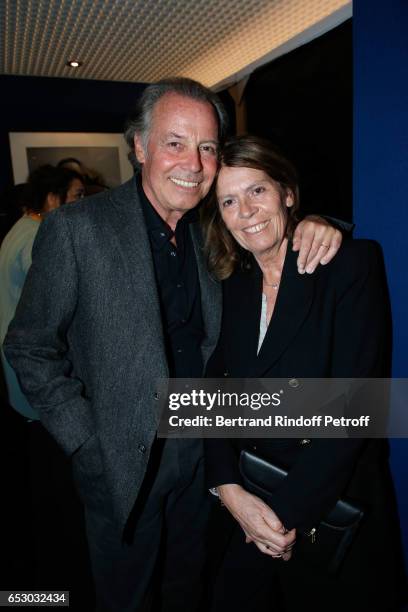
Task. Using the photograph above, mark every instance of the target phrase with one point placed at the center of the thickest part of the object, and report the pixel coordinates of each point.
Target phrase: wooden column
(237, 94)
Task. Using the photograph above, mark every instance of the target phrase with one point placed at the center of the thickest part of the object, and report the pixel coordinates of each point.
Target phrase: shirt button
(141, 448)
(162, 234)
(173, 253)
(294, 383)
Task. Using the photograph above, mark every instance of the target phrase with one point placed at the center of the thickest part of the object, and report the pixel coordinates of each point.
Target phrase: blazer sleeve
(343, 226)
(360, 349)
(221, 462)
(36, 342)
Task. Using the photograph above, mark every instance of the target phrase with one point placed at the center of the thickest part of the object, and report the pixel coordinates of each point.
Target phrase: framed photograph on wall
(103, 154)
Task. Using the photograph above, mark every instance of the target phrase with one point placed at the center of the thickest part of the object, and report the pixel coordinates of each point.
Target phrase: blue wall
(381, 172)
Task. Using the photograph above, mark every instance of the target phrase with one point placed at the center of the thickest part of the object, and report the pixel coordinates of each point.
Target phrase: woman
(277, 323)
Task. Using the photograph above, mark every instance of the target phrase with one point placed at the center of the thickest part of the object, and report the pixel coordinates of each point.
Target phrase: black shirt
(179, 289)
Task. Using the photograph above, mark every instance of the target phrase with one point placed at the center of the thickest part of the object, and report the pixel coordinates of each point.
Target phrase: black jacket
(334, 323)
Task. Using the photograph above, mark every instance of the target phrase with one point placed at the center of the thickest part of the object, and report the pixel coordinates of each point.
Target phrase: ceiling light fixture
(74, 63)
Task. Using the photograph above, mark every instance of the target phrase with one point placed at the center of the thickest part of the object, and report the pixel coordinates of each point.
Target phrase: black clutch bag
(327, 544)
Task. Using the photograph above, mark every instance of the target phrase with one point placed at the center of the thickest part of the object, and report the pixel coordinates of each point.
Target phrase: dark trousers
(157, 563)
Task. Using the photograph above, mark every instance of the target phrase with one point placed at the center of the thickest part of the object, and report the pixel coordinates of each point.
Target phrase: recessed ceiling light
(74, 64)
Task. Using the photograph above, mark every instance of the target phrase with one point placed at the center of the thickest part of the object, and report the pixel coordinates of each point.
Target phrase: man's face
(180, 163)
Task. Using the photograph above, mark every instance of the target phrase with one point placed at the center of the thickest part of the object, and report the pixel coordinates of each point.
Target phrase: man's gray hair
(139, 121)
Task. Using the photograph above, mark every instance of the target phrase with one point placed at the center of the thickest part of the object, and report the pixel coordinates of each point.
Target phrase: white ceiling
(214, 41)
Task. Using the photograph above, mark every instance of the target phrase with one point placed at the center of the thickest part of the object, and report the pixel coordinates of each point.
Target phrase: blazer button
(141, 448)
(156, 396)
(294, 383)
(305, 441)
(226, 374)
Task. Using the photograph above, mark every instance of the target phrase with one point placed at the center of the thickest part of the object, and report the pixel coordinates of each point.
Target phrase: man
(132, 303)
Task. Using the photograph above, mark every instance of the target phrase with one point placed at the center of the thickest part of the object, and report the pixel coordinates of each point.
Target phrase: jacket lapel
(243, 302)
(292, 306)
(132, 242)
(211, 297)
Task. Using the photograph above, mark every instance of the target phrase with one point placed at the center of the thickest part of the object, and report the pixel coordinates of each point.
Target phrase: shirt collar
(156, 226)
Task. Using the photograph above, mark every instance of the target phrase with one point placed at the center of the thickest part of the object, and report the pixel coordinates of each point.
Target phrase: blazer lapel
(243, 301)
(211, 297)
(132, 242)
(291, 309)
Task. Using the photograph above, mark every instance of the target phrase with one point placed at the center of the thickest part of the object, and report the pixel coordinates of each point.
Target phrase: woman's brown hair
(223, 253)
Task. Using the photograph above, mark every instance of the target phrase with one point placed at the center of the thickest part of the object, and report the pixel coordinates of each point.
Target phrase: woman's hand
(258, 521)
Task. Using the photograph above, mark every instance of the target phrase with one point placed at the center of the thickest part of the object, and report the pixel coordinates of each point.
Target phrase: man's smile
(184, 183)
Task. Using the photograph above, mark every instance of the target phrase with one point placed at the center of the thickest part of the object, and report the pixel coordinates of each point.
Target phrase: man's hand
(317, 242)
(258, 521)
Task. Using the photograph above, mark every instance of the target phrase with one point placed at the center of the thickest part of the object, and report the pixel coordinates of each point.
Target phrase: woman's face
(75, 192)
(253, 208)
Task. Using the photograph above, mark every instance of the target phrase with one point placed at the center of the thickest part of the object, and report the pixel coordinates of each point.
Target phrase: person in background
(72, 163)
(280, 324)
(13, 204)
(93, 180)
(47, 188)
(46, 505)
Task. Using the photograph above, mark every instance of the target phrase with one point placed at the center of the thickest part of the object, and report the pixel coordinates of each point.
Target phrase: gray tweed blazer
(87, 340)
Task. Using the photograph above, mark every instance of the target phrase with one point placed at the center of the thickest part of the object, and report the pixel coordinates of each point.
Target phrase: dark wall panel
(32, 104)
(303, 102)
